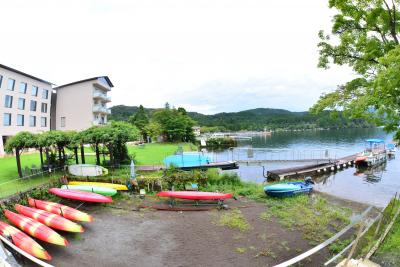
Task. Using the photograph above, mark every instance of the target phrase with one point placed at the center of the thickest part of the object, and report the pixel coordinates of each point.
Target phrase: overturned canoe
(59, 209)
(35, 229)
(105, 191)
(87, 170)
(23, 241)
(50, 219)
(80, 195)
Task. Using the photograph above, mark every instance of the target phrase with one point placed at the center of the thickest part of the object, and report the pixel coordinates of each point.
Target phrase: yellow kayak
(109, 185)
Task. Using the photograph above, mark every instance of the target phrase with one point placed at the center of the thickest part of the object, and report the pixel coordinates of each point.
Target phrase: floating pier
(341, 163)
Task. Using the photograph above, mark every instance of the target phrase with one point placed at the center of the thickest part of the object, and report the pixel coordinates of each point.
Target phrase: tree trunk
(97, 154)
(41, 157)
(76, 155)
(47, 158)
(82, 154)
(17, 157)
(59, 156)
(110, 149)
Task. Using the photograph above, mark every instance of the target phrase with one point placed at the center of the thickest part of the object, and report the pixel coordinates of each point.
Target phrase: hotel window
(45, 94)
(32, 121)
(43, 121)
(21, 103)
(22, 88)
(7, 119)
(20, 120)
(10, 84)
(34, 91)
(8, 101)
(44, 108)
(1, 80)
(62, 121)
(33, 105)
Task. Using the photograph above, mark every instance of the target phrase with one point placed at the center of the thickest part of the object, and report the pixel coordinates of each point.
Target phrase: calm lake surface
(373, 186)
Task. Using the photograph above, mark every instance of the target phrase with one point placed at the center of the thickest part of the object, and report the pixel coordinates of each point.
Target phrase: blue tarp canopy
(375, 141)
(186, 160)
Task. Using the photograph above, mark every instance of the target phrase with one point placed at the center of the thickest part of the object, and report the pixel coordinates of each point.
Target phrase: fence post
(355, 243)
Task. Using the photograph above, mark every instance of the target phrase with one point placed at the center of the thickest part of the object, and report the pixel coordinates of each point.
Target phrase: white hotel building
(28, 103)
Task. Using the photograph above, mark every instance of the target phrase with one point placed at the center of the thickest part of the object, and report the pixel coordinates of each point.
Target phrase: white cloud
(208, 55)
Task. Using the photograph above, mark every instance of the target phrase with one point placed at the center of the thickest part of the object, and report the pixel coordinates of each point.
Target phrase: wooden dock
(336, 165)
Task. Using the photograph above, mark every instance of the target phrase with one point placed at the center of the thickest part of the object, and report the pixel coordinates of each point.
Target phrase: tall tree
(19, 142)
(140, 120)
(367, 39)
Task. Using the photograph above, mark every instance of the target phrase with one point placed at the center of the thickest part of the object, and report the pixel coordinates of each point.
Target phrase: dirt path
(119, 237)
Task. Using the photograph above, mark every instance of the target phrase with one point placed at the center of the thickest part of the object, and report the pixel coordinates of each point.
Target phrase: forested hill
(256, 119)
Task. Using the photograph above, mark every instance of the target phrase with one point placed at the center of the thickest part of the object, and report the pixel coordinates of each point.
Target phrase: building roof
(23, 73)
(86, 80)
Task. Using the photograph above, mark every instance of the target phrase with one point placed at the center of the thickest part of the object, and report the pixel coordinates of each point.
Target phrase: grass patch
(235, 220)
(241, 250)
(266, 253)
(314, 217)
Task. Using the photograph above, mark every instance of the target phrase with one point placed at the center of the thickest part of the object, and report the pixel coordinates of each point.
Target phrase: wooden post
(355, 243)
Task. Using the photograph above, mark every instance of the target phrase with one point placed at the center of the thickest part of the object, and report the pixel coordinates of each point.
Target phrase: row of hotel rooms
(35, 105)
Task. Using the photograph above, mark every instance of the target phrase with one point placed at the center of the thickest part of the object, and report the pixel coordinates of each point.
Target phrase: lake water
(373, 186)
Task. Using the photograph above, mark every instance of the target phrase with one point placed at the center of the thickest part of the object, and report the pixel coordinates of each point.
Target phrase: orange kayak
(62, 210)
(35, 229)
(51, 220)
(23, 241)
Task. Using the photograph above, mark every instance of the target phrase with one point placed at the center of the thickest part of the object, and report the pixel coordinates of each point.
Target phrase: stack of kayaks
(288, 189)
(105, 191)
(37, 221)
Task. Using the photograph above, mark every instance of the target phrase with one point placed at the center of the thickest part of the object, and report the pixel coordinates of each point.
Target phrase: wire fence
(30, 181)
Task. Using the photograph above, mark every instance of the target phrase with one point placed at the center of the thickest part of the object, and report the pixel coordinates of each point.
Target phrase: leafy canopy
(366, 38)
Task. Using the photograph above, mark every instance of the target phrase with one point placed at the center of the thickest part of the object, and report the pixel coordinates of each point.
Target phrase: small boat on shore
(374, 154)
(391, 150)
(289, 189)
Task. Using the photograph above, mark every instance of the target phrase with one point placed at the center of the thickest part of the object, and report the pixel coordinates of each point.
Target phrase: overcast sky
(205, 55)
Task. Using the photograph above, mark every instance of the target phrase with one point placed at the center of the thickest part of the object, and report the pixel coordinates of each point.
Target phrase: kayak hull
(59, 209)
(119, 187)
(79, 195)
(23, 241)
(87, 170)
(51, 220)
(105, 191)
(288, 189)
(35, 229)
(194, 195)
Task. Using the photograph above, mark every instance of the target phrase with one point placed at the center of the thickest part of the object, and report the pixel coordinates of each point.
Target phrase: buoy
(324, 169)
(318, 170)
(332, 168)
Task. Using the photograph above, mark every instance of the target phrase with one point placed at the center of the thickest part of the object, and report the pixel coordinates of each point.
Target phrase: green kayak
(105, 191)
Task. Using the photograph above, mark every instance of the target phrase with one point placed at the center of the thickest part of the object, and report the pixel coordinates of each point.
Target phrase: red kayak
(194, 195)
(51, 220)
(80, 195)
(59, 209)
(35, 229)
(23, 241)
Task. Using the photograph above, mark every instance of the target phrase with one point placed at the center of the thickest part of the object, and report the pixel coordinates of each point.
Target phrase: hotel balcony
(101, 109)
(102, 97)
(98, 123)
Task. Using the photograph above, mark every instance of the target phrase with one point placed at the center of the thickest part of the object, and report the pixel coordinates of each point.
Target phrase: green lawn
(154, 154)
(8, 166)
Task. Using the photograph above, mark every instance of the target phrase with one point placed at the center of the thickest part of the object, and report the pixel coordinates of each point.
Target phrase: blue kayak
(288, 189)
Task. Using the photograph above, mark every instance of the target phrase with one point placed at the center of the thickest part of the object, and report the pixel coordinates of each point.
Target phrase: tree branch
(392, 21)
(356, 57)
